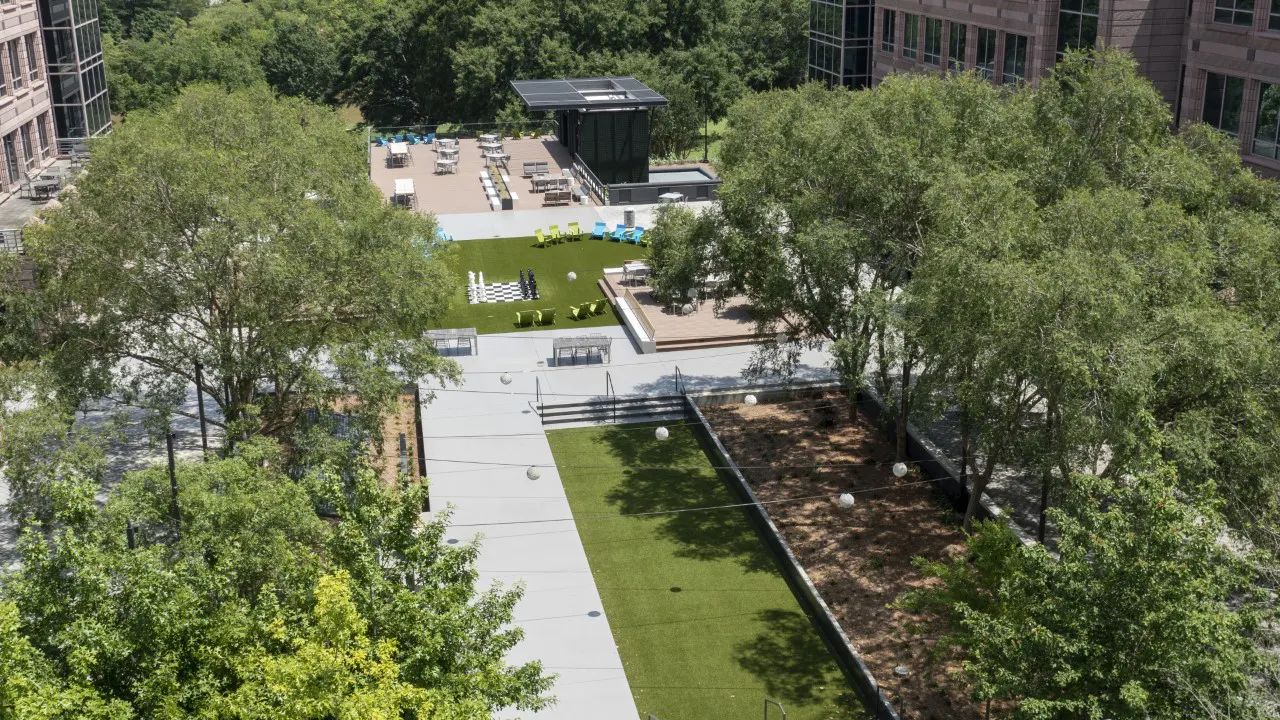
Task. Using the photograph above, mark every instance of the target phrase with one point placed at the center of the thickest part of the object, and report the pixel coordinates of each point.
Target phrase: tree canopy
(237, 230)
(236, 600)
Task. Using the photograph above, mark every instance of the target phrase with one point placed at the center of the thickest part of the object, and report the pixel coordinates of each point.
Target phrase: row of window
(1223, 102)
(19, 64)
(1015, 46)
(1240, 12)
(22, 138)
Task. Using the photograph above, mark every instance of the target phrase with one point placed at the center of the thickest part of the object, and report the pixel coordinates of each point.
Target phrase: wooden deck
(461, 192)
(705, 327)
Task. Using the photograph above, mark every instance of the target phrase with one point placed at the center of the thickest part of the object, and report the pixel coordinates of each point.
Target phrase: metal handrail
(680, 386)
(589, 180)
(768, 702)
(11, 240)
(537, 392)
(610, 392)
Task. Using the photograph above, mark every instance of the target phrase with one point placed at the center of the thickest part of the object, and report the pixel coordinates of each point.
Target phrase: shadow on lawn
(704, 535)
(787, 658)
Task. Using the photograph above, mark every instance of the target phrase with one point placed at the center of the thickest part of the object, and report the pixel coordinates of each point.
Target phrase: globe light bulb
(505, 378)
(662, 433)
(533, 473)
(899, 469)
(846, 501)
(750, 400)
(572, 276)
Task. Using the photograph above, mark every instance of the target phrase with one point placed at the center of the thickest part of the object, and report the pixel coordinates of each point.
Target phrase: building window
(1078, 25)
(987, 53)
(1223, 96)
(27, 154)
(955, 49)
(1266, 135)
(1235, 12)
(933, 41)
(11, 158)
(886, 30)
(1273, 22)
(15, 67)
(1015, 58)
(910, 35)
(42, 133)
(33, 67)
(859, 23)
(825, 19)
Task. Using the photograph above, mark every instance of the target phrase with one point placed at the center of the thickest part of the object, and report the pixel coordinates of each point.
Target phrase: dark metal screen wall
(614, 144)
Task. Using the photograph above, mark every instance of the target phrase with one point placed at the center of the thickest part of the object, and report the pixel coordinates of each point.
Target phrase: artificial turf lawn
(704, 621)
(502, 259)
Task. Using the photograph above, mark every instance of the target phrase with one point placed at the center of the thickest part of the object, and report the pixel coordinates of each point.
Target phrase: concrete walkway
(521, 223)
(471, 428)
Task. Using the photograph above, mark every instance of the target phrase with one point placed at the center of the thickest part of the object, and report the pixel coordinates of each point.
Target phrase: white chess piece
(483, 291)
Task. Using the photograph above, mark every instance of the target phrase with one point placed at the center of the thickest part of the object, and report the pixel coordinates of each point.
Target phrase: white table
(447, 152)
(404, 186)
(635, 270)
(398, 152)
(489, 137)
(671, 197)
(447, 166)
(405, 193)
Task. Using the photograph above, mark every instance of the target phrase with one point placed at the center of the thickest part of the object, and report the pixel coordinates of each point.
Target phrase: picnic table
(445, 165)
(586, 343)
(542, 183)
(635, 269)
(398, 153)
(455, 337)
(45, 187)
(405, 193)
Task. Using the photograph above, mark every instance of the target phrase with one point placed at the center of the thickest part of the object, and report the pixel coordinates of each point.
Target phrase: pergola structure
(603, 121)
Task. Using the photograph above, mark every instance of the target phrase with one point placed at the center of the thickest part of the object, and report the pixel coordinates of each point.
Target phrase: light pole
(706, 116)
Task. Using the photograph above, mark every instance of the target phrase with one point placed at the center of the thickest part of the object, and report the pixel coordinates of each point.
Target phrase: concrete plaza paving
(480, 439)
(522, 223)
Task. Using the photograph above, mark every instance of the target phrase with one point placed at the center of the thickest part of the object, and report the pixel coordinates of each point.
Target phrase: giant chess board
(478, 291)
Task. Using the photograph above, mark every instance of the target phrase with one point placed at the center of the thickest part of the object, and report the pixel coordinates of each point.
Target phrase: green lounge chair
(598, 307)
(524, 318)
(580, 312)
(545, 317)
(542, 241)
(575, 232)
(555, 234)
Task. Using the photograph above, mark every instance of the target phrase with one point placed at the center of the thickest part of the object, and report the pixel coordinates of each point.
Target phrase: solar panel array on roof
(586, 93)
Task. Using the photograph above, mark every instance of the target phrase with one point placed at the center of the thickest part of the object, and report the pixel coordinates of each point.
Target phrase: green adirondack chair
(575, 232)
(524, 317)
(542, 241)
(598, 307)
(579, 312)
(546, 317)
(555, 234)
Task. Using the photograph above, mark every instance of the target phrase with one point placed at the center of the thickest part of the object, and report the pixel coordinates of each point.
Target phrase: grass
(502, 259)
(714, 134)
(705, 623)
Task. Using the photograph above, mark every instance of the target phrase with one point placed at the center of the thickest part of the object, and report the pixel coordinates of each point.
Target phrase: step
(695, 344)
(609, 416)
(607, 408)
(621, 400)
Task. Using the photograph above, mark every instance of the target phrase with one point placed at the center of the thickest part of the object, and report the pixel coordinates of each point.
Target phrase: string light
(899, 469)
(750, 401)
(662, 433)
(533, 473)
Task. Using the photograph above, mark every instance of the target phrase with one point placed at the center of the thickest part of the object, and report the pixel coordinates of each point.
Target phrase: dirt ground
(859, 559)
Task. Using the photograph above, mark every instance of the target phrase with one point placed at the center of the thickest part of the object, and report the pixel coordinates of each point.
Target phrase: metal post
(204, 432)
(173, 487)
(128, 531)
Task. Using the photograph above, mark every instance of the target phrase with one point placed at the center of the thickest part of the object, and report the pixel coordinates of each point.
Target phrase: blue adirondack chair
(599, 231)
(619, 233)
(429, 139)
(444, 236)
(635, 236)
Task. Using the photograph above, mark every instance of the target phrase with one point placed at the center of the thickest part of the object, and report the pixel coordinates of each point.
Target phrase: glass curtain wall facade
(840, 37)
(77, 78)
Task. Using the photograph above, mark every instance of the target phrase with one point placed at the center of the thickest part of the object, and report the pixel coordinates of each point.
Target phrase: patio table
(399, 154)
(46, 187)
(456, 337)
(405, 193)
(671, 197)
(490, 137)
(446, 165)
(447, 144)
(634, 270)
(447, 152)
(586, 343)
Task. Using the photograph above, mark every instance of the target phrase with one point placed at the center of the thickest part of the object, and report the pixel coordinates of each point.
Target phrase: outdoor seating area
(585, 344)
(446, 172)
(660, 326)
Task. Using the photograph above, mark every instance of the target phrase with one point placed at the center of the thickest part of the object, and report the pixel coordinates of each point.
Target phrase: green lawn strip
(502, 259)
(704, 621)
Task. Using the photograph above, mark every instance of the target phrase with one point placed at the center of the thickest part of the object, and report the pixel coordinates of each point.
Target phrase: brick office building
(1213, 60)
(26, 123)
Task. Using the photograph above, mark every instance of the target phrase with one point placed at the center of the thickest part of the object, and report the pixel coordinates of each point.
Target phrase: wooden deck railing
(635, 308)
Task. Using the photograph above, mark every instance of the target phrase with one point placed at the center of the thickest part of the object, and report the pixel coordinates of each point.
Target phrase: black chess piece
(524, 287)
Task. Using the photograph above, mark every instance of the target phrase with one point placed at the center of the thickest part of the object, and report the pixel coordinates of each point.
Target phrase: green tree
(1146, 613)
(236, 600)
(238, 231)
(301, 59)
(682, 253)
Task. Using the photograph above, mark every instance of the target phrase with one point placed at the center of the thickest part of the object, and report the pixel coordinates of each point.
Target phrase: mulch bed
(859, 559)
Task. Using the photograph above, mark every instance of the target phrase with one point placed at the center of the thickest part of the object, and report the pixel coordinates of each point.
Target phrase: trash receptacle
(629, 218)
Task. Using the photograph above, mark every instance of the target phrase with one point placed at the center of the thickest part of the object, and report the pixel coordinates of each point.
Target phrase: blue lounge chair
(429, 139)
(599, 231)
(635, 236)
(444, 236)
(379, 140)
(619, 233)
(414, 139)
